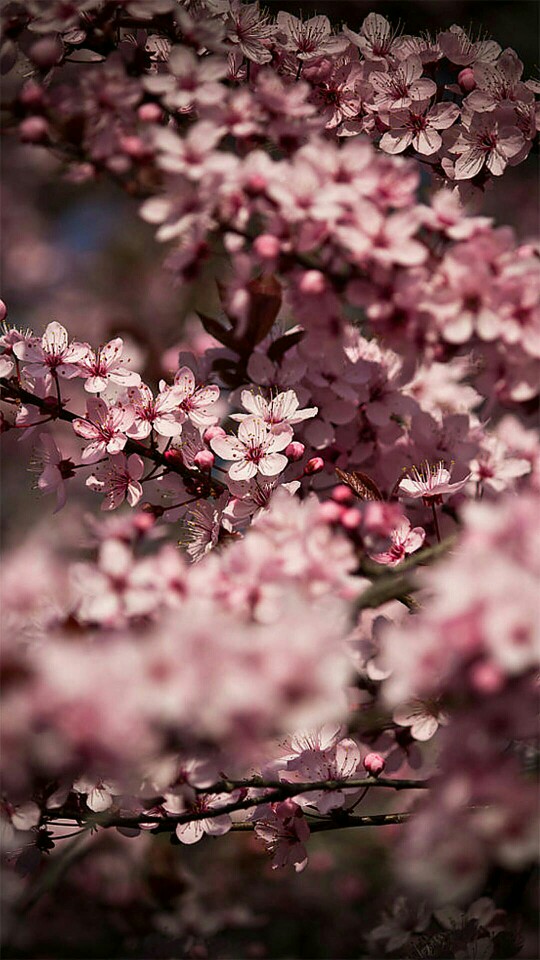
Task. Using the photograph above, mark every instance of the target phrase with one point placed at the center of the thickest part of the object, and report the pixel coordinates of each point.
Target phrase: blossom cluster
(244, 640)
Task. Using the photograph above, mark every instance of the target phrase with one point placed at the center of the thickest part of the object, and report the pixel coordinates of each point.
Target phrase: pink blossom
(98, 793)
(498, 83)
(376, 40)
(194, 401)
(255, 450)
(418, 126)
(460, 49)
(423, 717)
(248, 27)
(402, 85)
(118, 479)
(213, 825)
(282, 409)
(309, 39)
(51, 355)
(431, 482)
(162, 413)
(105, 427)
(282, 827)
(482, 140)
(405, 540)
(56, 470)
(104, 365)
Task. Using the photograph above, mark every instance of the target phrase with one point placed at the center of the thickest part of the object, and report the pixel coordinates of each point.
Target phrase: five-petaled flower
(105, 364)
(431, 482)
(255, 450)
(119, 480)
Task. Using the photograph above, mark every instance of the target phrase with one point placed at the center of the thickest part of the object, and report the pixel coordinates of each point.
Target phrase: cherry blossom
(119, 480)
(404, 540)
(431, 482)
(105, 427)
(196, 402)
(284, 830)
(255, 450)
(105, 365)
(56, 470)
(52, 355)
(417, 127)
(162, 413)
(282, 409)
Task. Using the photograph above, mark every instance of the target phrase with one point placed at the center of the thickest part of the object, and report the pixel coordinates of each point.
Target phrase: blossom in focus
(484, 140)
(284, 830)
(118, 480)
(431, 482)
(105, 364)
(105, 427)
(255, 450)
(194, 401)
(283, 409)
(213, 825)
(51, 355)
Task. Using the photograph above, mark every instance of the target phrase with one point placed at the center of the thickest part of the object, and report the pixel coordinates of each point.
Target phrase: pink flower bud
(315, 465)
(33, 130)
(149, 113)
(212, 432)
(351, 518)
(204, 460)
(466, 80)
(342, 494)
(256, 184)
(295, 450)
(330, 512)
(374, 764)
(46, 52)
(3, 311)
(173, 456)
(313, 282)
(31, 95)
(267, 246)
(135, 147)
(486, 677)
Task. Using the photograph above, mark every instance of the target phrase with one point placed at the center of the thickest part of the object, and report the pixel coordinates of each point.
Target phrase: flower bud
(315, 465)
(313, 282)
(31, 95)
(3, 311)
(342, 494)
(374, 764)
(256, 184)
(330, 512)
(173, 456)
(466, 80)
(351, 518)
(134, 147)
(486, 677)
(33, 130)
(204, 460)
(267, 246)
(46, 52)
(149, 113)
(212, 432)
(295, 450)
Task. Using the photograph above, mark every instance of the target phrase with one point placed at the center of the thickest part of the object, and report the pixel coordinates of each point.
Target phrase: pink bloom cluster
(475, 647)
